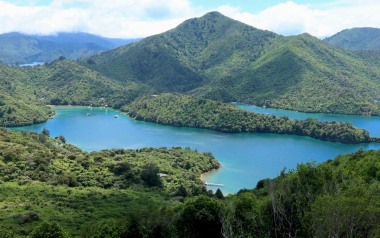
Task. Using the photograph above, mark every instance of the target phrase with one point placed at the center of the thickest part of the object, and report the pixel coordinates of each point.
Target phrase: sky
(141, 18)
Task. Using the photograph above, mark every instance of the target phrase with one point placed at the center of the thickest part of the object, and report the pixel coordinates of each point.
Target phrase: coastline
(203, 176)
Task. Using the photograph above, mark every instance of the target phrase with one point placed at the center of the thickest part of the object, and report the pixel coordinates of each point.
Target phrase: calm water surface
(245, 158)
(371, 124)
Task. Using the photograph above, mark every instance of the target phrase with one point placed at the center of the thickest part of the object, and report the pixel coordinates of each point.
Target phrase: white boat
(116, 116)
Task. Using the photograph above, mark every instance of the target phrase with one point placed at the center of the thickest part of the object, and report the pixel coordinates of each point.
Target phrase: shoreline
(203, 176)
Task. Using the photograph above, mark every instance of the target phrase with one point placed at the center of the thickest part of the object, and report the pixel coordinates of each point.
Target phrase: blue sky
(249, 5)
(140, 18)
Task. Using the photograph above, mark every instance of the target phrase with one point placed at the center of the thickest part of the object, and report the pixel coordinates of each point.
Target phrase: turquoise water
(371, 124)
(245, 158)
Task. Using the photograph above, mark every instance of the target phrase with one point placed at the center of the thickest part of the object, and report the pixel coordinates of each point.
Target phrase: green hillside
(364, 38)
(44, 179)
(186, 57)
(302, 73)
(25, 91)
(50, 187)
(19, 104)
(223, 59)
(65, 82)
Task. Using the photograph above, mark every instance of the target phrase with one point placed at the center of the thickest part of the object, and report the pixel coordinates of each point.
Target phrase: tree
(45, 132)
(181, 191)
(6, 234)
(200, 218)
(150, 175)
(219, 194)
(49, 230)
(61, 138)
(109, 229)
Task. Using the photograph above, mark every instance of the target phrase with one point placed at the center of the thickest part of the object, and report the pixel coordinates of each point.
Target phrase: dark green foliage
(178, 110)
(150, 175)
(6, 233)
(28, 157)
(46, 132)
(62, 139)
(200, 218)
(48, 180)
(364, 38)
(110, 229)
(219, 194)
(48, 230)
(181, 191)
(243, 216)
(338, 198)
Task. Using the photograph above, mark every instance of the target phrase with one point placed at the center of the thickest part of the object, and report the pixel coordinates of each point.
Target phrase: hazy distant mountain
(365, 38)
(17, 48)
(220, 58)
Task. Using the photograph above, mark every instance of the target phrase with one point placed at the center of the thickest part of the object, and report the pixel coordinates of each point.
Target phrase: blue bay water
(371, 124)
(245, 158)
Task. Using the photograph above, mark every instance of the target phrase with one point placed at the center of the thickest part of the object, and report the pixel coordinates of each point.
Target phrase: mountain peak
(213, 15)
(360, 38)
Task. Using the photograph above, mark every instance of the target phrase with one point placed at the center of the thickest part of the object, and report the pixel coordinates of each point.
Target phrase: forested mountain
(223, 59)
(18, 48)
(25, 91)
(210, 57)
(303, 73)
(187, 57)
(361, 38)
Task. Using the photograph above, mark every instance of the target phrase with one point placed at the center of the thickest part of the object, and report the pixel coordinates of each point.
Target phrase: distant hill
(219, 58)
(24, 91)
(365, 38)
(18, 48)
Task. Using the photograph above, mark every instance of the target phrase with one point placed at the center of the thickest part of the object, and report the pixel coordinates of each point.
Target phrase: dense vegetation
(222, 59)
(19, 48)
(25, 91)
(28, 157)
(179, 110)
(338, 198)
(52, 189)
(45, 179)
(18, 103)
(361, 38)
(213, 57)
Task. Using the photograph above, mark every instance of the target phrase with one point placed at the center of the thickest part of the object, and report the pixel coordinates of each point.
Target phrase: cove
(245, 158)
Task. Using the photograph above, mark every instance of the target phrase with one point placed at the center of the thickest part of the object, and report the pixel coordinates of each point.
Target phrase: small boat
(116, 116)
(88, 114)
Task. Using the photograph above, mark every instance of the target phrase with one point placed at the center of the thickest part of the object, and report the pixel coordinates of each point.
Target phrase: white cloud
(319, 20)
(117, 18)
(139, 18)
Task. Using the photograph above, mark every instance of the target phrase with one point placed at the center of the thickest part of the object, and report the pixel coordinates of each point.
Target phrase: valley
(111, 137)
